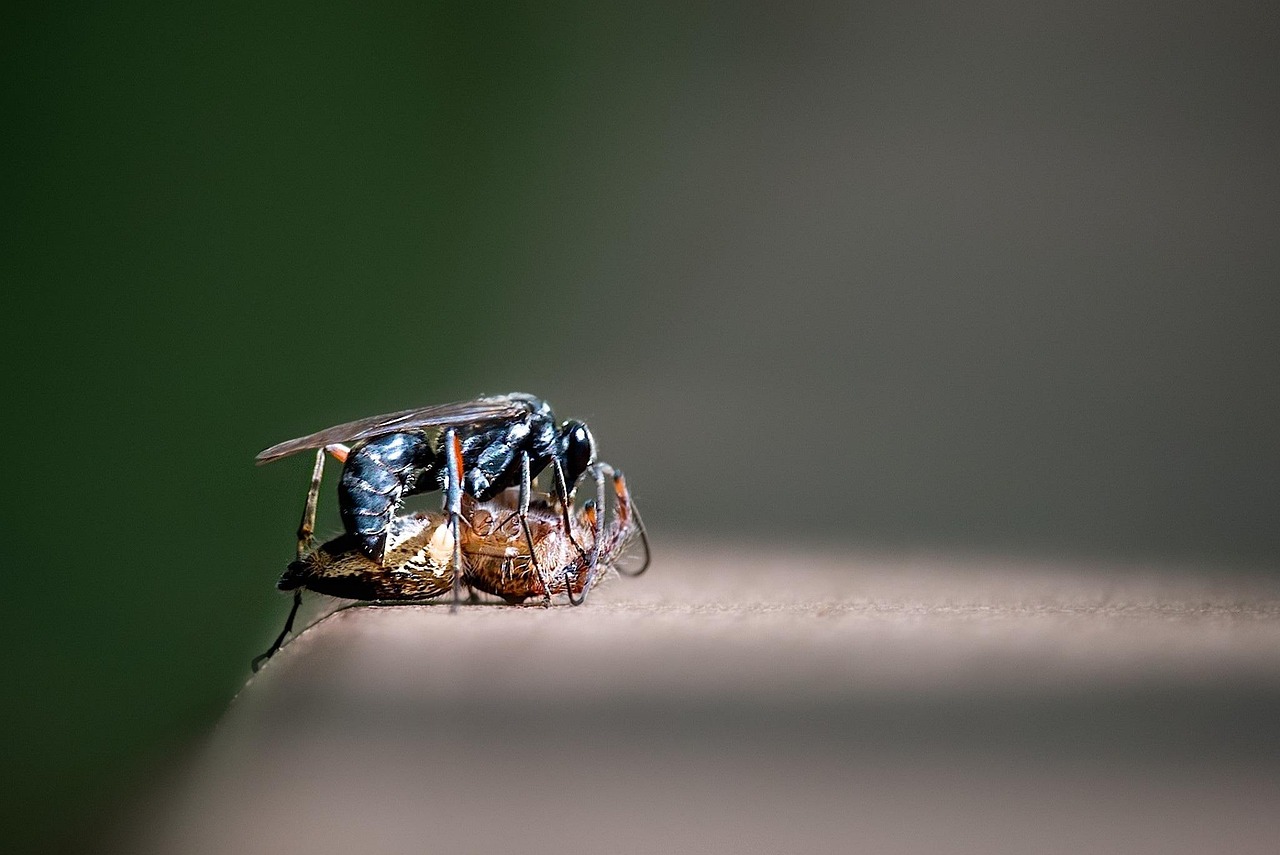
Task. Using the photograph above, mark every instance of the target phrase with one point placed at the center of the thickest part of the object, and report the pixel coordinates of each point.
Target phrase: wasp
(418, 563)
(478, 448)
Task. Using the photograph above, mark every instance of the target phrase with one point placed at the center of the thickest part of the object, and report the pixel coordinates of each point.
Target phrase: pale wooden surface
(740, 701)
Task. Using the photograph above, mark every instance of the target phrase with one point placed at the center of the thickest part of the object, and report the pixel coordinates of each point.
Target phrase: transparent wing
(441, 415)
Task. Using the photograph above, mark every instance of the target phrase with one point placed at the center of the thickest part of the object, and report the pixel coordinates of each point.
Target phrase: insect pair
(495, 533)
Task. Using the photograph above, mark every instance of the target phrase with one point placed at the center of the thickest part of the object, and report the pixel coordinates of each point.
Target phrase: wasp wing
(440, 415)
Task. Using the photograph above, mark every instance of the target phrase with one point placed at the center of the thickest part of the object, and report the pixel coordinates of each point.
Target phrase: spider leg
(522, 513)
(598, 471)
(624, 497)
(284, 633)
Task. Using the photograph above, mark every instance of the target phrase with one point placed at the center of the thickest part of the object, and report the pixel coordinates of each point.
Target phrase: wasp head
(577, 450)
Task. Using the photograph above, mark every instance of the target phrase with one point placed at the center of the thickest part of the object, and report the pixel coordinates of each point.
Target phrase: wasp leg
(562, 496)
(597, 535)
(452, 449)
(284, 633)
(307, 527)
(522, 513)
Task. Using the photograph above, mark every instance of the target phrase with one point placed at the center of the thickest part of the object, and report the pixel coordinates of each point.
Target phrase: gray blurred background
(977, 277)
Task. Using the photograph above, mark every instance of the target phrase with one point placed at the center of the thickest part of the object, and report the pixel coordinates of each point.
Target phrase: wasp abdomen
(376, 477)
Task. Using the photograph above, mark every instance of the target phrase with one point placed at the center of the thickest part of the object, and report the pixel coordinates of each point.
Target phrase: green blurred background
(943, 276)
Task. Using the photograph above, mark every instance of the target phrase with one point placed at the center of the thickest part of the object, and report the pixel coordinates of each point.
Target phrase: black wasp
(480, 448)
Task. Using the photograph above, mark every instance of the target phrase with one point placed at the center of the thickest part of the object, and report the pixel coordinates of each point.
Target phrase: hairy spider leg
(624, 497)
(284, 633)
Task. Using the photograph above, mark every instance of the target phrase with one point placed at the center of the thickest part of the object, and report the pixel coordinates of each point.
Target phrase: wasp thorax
(440, 547)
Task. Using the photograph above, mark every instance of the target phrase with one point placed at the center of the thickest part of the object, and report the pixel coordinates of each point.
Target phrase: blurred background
(985, 277)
